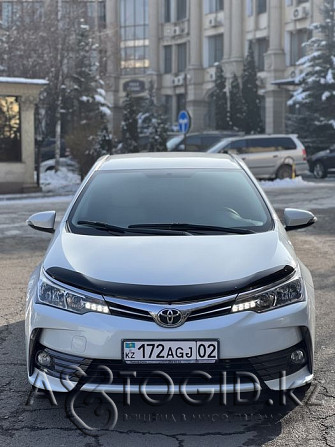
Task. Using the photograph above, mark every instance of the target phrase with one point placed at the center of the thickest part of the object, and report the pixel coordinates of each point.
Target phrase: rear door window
(259, 145)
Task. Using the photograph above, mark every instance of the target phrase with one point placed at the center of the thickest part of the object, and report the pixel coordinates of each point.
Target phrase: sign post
(184, 124)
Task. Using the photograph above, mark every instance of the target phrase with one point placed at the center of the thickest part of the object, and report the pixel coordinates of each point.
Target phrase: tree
(236, 109)
(158, 133)
(220, 100)
(130, 125)
(40, 42)
(153, 122)
(314, 99)
(145, 118)
(252, 118)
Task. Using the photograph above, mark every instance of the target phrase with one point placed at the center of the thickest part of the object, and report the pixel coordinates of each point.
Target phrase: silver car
(267, 156)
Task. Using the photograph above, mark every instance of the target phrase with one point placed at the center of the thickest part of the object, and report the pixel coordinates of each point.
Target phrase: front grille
(119, 310)
(142, 311)
(264, 367)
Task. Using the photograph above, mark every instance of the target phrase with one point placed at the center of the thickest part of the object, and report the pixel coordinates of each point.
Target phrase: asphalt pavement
(175, 423)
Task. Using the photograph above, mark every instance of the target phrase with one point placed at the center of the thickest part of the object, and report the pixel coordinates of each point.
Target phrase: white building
(163, 40)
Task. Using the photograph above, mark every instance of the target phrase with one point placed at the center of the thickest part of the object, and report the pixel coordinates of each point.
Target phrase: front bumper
(258, 344)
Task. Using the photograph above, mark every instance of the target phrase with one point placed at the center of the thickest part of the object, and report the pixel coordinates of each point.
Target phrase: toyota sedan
(170, 271)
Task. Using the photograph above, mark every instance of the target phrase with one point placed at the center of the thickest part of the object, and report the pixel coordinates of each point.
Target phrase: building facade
(176, 43)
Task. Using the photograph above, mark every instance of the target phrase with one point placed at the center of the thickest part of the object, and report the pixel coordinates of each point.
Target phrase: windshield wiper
(194, 228)
(103, 226)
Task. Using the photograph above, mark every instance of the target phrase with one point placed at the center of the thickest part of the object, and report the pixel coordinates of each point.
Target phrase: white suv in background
(267, 156)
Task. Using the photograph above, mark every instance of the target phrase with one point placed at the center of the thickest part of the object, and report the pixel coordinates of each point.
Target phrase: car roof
(244, 137)
(168, 160)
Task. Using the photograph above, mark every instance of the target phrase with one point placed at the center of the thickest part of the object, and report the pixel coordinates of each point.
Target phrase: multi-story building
(176, 43)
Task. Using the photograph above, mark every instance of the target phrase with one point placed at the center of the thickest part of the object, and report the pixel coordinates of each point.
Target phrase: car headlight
(55, 295)
(287, 293)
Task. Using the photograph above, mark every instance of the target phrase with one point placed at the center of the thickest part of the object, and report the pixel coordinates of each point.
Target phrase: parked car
(321, 163)
(64, 162)
(197, 142)
(173, 263)
(267, 156)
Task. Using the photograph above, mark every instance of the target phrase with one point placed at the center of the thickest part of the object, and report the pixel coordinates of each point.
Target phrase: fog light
(44, 359)
(298, 357)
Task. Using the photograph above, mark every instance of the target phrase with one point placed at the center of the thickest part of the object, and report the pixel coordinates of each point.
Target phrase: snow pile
(61, 182)
(298, 182)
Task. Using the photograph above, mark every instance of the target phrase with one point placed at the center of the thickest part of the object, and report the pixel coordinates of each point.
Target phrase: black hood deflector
(170, 294)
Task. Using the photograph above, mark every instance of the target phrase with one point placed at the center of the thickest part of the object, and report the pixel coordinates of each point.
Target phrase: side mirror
(295, 219)
(44, 221)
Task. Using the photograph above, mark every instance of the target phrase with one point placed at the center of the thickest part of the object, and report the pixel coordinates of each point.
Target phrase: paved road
(175, 424)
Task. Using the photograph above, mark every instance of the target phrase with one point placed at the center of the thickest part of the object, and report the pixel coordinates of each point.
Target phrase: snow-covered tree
(40, 42)
(84, 100)
(236, 109)
(158, 133)
(252, 122)
(146, 116)
(220, 100)
(84, 94)
(314, 99)
(152, 122)
(130, 125)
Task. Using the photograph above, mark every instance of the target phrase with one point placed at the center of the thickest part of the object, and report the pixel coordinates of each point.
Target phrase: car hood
(161, 261)
(320, 154)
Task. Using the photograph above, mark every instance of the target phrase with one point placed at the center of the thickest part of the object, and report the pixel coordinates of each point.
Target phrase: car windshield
(173, 142)
(182, 200)
(220, 145)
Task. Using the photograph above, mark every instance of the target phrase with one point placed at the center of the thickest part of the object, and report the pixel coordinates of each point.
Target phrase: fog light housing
(44, 359)
(298, 357)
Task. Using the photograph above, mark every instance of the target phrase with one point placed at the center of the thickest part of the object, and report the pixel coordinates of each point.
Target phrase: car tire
(285, 171)
(319, 170)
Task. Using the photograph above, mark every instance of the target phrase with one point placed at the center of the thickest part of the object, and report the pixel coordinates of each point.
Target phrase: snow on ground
(298, 182)
(61, 182)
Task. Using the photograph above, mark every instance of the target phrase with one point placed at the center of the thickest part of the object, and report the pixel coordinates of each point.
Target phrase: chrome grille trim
(148, 311)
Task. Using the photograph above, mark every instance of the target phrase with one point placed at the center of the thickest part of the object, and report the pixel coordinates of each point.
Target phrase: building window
(167, 104)
(261, 47)
(182, 57)
(11, 12)
(261, 6)
(250, 7)
(134, 36)
(181, 9)
(10, 129)
(213, 6)
(167, 11)
(181, 103)
(215, 49)
(168, 59)
(297, 49)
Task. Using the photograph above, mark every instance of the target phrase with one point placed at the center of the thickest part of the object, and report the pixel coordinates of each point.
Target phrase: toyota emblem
(170, 318)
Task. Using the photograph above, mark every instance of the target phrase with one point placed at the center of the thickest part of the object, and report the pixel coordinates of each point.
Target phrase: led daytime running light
(57, 296)
(287, 293)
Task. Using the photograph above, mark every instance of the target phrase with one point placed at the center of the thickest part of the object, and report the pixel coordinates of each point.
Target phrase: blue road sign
(184, 121)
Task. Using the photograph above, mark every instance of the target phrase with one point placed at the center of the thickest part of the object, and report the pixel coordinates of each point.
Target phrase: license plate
(177, 351)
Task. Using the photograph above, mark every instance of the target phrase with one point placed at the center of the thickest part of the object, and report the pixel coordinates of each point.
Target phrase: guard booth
(18, 97)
